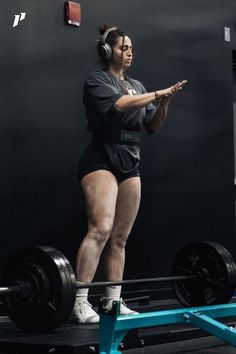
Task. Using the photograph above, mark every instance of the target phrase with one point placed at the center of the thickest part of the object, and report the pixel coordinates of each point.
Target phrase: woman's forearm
(159, 116)
(129, 103)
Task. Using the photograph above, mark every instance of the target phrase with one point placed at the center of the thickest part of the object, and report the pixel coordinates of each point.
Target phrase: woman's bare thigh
(100, 189)
(127, 206)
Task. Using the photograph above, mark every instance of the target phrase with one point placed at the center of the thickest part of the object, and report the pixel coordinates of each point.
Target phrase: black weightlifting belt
(117, 135)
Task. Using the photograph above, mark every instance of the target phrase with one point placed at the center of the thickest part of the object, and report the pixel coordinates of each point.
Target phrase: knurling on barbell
(39, 285)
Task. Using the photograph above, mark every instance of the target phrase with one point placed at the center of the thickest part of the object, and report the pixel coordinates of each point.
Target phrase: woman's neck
(118, 73)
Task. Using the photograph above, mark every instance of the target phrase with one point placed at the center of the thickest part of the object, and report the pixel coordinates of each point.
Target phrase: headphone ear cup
(105, 51)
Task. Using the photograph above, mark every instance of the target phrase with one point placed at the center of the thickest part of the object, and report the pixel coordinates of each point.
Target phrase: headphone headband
(105, 34)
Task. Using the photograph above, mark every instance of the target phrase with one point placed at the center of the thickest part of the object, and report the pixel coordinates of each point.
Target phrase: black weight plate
(69, 296)
(231, 271)
(70, 276)
(50, 300)
(230, 261)
(206, 292)
(217, 274)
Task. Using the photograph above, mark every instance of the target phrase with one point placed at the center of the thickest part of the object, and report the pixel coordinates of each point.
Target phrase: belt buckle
(127, 135)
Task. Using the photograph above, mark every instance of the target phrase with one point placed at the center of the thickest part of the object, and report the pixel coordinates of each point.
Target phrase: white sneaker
(83, 313)
(124, 310)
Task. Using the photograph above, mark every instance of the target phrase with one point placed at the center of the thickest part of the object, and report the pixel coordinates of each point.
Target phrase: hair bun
(103, 28)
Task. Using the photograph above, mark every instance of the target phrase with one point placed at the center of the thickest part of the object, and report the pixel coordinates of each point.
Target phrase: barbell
(39, 285)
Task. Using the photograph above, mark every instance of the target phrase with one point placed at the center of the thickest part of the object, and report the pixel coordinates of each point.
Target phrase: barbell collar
(82, 285)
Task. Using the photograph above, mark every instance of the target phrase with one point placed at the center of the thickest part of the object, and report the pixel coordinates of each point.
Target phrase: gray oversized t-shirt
(101, 91)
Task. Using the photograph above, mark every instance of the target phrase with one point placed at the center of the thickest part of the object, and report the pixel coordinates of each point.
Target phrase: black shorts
(95, 158)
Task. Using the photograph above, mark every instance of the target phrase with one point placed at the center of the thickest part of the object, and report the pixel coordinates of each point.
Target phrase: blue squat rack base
(113, 327)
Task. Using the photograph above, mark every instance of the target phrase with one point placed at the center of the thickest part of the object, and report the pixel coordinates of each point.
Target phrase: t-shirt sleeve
(100, 92)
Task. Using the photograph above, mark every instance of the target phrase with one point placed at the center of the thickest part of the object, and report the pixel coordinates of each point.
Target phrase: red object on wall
(73, 13)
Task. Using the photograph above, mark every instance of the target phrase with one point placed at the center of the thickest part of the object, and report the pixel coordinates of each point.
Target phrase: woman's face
(122, 53)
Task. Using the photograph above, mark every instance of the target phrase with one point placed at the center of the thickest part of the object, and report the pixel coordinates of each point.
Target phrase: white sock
(82, 295)
(113, 292)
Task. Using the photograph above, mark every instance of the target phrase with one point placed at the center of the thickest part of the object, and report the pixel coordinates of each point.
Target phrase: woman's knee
(100, 233)
(118, 241)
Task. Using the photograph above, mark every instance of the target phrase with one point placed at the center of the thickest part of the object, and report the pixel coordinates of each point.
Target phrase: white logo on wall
(19, 18)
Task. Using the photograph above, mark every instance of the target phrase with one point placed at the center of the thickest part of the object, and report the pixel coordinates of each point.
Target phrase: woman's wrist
(156, 95)
(164, 102)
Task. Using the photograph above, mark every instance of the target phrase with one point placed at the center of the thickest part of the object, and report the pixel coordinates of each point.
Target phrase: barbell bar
(10, 290)
(39, 285)
(82, 285)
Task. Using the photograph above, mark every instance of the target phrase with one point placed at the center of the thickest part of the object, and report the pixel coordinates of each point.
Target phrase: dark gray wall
(187, 169)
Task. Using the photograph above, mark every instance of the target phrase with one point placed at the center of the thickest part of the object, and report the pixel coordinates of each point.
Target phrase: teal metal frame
(114, 327)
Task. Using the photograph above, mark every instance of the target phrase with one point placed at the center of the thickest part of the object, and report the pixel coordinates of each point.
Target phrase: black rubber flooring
(201, 345)
(204, 345)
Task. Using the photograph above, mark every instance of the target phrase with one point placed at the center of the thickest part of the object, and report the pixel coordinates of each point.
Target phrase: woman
(117, 107)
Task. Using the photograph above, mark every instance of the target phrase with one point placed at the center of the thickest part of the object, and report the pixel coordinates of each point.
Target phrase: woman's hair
(111, 40)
